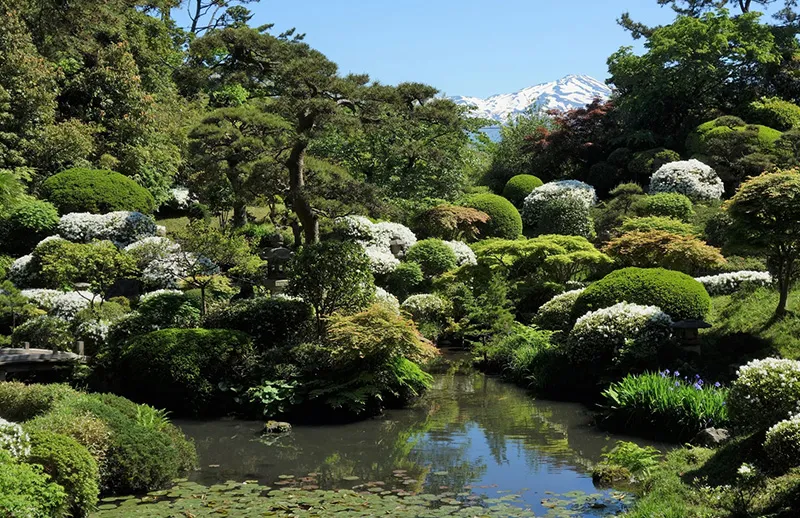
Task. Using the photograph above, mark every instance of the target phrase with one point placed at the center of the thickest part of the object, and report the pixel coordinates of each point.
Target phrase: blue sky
(463, 47)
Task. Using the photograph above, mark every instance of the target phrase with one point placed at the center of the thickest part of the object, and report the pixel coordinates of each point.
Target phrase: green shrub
(96, 191)
(505, 221)
(450, 222)
(649, 223)
(28, 223)
(567, 216)
(405, 280)
(271, 322)
(556, 313)
(782, 444)
(514, 355)
(644, 163)
(660, 249)
(637, 460)
(26, 491)
(677, 294)
(765, 392)
(159, 310)
(666, 204)
(430, 312)
(665, 404)
(71, 466)
(433, 256)
(519, 187)
(20, 402)
(183, 369)
(44, 332)
(775, 113)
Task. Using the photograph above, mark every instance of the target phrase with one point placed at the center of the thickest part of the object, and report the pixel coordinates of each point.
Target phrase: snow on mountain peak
(572, 91)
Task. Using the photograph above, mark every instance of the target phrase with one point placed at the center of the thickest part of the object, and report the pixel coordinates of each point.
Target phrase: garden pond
(473, 446)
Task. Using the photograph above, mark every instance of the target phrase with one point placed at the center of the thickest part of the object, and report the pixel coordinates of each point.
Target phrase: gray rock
(711, 437)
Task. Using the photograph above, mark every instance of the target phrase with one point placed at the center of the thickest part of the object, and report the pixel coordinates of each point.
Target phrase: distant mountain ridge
(572, 91)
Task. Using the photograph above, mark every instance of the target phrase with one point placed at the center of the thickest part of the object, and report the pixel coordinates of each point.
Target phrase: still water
(470, 434)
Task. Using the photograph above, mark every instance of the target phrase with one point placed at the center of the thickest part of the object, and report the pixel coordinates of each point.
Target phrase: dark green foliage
(519, 187)
(162, 311)
(25, 490)
(271, 322)
(332, 276)
(96, 191)
(44, 332)
(27, 224)
(433, 256)
(405, 280)
(666, 204)
(644, 163)
(182, 369)
(505, 220)
(516, 355)
(677, 294)
(71, 466)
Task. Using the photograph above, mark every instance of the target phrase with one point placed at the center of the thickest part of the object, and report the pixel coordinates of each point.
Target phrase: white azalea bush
(23, 271)
(464, 254)
(691, 178)
(381, 260)
(121, 227)
(782, 443)
(430, 312)
(387, 299)
(623, 332)
(731, 282)
(560, 208)
(376, 239)
(765, 392)
(14, 440)
(65, 305)
(555, 314)
(159, 260)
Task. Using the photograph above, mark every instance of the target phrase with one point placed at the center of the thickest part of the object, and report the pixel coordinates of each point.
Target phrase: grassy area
(744, 327)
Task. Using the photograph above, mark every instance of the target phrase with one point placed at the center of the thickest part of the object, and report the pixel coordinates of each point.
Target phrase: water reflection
(470, 433)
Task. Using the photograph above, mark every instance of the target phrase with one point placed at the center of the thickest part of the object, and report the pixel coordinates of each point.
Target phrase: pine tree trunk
(297, 183)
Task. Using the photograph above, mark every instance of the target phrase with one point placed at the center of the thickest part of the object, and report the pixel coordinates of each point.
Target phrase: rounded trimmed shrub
(644, 163)
(27, 224)
(97, 191)
(677, 294)
(775, 112)
(765, 392)
(692, 178)
(71, 466)
(25, 490)
(433, 256)
(663, 223)
(20, 402)
(782, 444)
(668, 205)
(405, 279)
(182, 369)
(556, 313)
(162, 309)
(562, 207)
(519, 187)
(504, 219)
(623, 332)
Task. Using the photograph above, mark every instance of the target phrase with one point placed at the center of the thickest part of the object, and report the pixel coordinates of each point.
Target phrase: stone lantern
(277, 257)
(397, 246)
(688, 333)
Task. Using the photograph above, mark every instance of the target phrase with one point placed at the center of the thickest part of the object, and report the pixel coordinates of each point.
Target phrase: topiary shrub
(270, 321)
(669, 205)
(731, 282)
(775, 113)
(14, 441)
(663, 223)
(556, 313)
(623, 333)
(162, 309)
(121, 227)
(183, 369)
(405, 279)
(676, 293)
(28, 223)
(451, 222)
(71, 466)
(96, 191)
(505, 221)
(691, 178)
(519, 187)
(26, 491)
(765, 392)
(560, 208)
(20, 402)
(657, 248)
(433, 256)
(782, 444)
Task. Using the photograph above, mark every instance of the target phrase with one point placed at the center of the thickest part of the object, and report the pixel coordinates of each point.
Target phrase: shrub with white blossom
(157, 293)
(731, 282)
(691, 178)
(123, 228)
(180, 198)
(464, 254)
(429, 311)
(381, 260)
(560, 208)
(14, 440)
(376, 239)
(619, 333)
(387, 299)
(159, 260)
(555, 314)
(385, 232)
(23, 271)
(782, 443)
(765, 392)
(60, 304)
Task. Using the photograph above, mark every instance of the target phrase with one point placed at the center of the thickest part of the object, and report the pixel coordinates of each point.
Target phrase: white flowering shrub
(430, 312)
(385, 232)
(180, 198)
(555, 314)
(23, 271)
(14, 440)
(782, 443)
(157, 293)
(691, 178)
(560, 208)
(765, 392)
(387, 299)
(381, 260)
(622, 332)
(464, 254)
(731, 282)
(358, 228)
(65, 305)
(376, 239)
(123, 228)
(164, 273)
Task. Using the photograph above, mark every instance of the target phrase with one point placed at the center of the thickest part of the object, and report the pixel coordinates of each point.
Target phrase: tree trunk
(297, 182)
(783, 288)
(239, 214)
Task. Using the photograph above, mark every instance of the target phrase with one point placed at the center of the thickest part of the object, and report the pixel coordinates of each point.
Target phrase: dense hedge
(182, 369)
(433, 256)
(505, 220)
(97, 191)
(519, 187)
(677, 294)
(666, 204)
(26, 225)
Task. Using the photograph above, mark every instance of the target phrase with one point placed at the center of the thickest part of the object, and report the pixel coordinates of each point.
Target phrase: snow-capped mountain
(572, 91)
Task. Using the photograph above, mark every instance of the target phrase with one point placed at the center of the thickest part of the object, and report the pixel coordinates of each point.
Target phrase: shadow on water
(470, 433)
